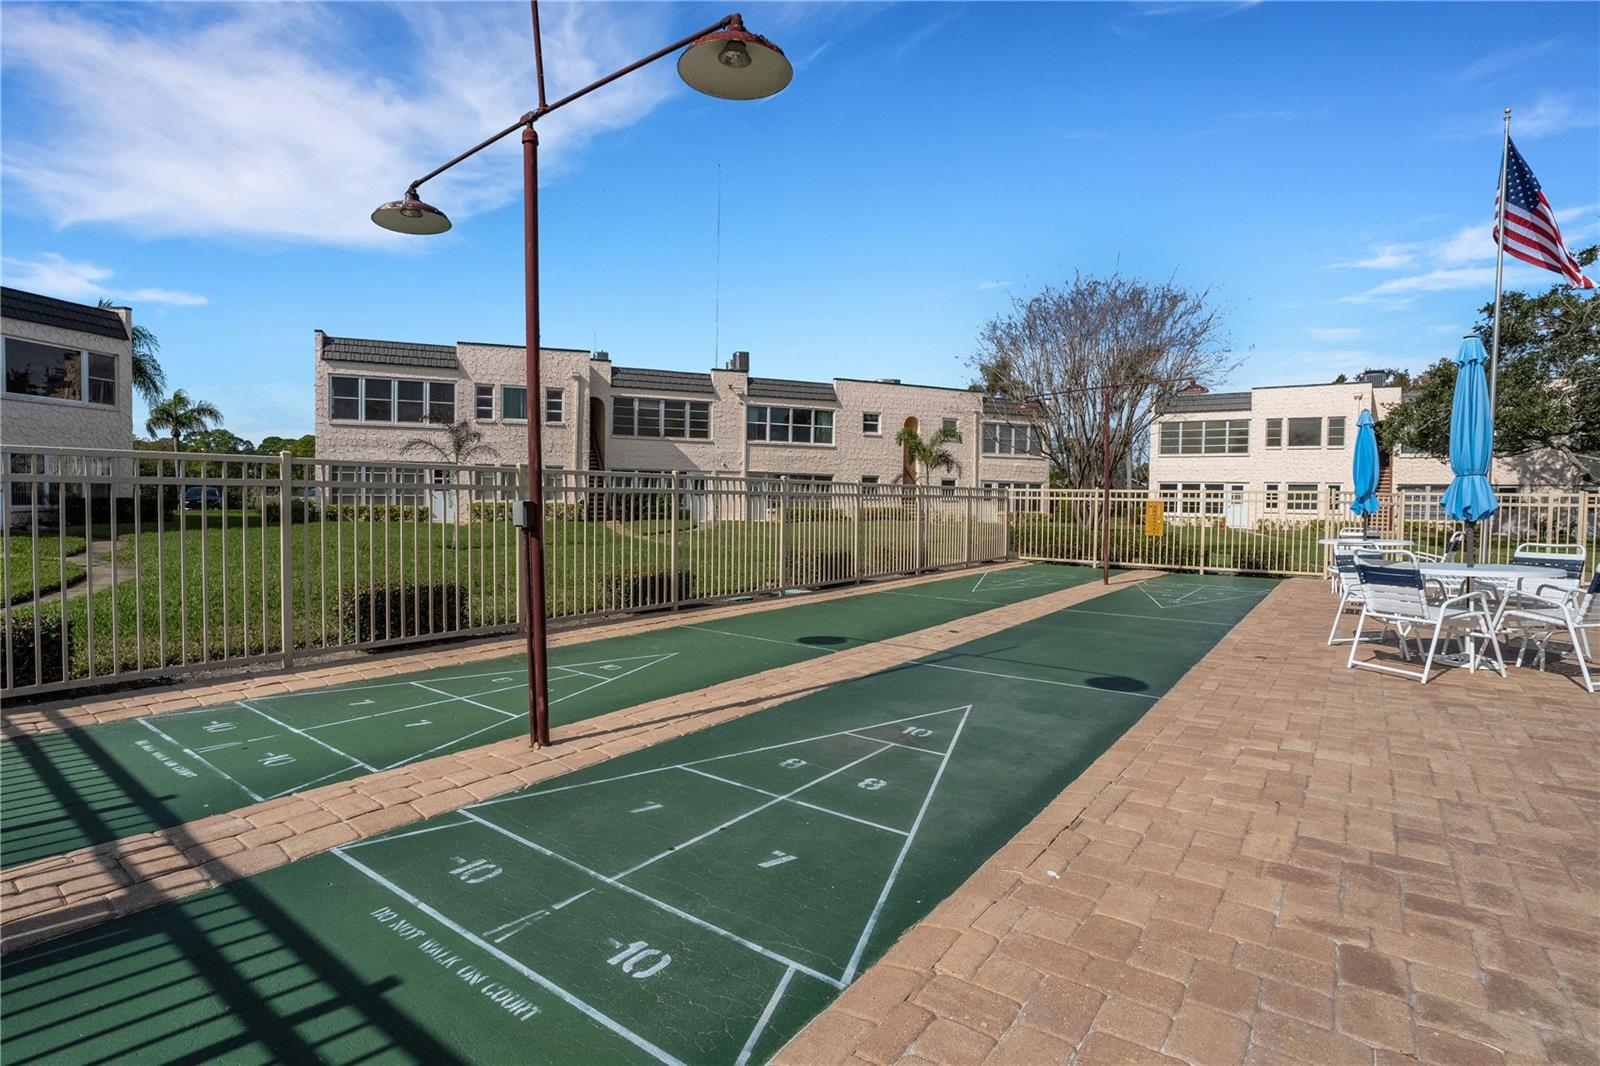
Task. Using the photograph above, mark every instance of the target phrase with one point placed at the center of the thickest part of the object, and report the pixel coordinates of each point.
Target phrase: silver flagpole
(1499, 272)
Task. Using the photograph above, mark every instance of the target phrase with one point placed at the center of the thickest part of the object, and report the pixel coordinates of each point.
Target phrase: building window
(869, 484)
(950, 427)
(947, 486)
(870, 424)
(680, 419)
(34, 369)
(790, 425)
(1002, 439)
(1301, 497)
(353, 399)
(483, 404)
(1336, 432)
(1271, 499)
(1221, 437)
(1274, 432)
(1305, 432)
(554, 402)
(513, 403)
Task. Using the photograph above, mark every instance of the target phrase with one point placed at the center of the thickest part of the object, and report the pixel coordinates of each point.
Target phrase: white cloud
(986, 286)
(1504, 58)
(1439, 280)
(1334, 333)
(1381, 257)
(273, 120)
(1550, 114)
(72, 279)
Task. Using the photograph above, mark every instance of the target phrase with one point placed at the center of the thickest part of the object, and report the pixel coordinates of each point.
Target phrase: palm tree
(177, 415)
(149, 380)
(462, 441)
(928, 454)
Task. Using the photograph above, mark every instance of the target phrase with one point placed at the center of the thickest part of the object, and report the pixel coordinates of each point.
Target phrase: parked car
(196, 497)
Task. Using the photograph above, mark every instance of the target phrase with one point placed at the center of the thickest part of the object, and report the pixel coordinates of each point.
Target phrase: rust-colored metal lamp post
(723, 60)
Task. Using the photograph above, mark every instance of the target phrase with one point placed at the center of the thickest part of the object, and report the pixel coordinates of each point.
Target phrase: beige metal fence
(1272, 532)
(126, 564)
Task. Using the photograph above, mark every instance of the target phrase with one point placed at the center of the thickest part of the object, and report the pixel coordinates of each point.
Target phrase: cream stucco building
(1290, 446)
(68, 384)
(373, 397)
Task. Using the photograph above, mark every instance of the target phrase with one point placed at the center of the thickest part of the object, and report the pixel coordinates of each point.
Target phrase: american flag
(1531, 231)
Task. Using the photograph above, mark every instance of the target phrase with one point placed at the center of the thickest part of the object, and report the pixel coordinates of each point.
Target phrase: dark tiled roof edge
(23, 306)
(402, 353)
(647, 380)
(1188, 402)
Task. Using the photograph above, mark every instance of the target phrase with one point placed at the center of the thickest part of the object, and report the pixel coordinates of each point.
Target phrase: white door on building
(1238, 512)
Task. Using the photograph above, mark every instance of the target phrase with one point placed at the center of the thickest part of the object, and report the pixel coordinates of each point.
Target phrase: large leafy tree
(149, 380)
(1115, 341)
(178, 416)
(304, 447)
(1548, 387)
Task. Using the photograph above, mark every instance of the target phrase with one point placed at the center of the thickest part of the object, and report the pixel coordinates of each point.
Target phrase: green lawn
(19, 565)
(212, 591)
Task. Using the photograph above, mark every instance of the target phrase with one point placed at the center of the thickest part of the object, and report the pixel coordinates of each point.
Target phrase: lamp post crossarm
(543, 109)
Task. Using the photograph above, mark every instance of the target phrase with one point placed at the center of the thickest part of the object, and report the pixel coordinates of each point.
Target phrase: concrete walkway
(1285, 861)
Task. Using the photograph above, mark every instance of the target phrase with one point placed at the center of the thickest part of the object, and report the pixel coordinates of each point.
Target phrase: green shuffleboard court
(694, 902)
(66, 790)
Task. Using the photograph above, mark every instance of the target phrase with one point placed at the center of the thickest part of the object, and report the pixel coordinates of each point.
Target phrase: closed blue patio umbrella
(1364, 471)
(1469, 498)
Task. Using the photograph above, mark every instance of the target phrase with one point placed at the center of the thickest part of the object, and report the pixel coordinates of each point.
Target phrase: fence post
(286, 555)
(1205, 527)
(672, 543)
(970, 516)
(524, 491)
(783, 527)
(855, 531)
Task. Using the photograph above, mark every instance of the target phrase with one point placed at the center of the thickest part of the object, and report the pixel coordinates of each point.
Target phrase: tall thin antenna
(716, 303)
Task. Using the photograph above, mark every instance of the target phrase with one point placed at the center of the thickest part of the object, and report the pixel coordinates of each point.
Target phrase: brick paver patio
(1285, 861)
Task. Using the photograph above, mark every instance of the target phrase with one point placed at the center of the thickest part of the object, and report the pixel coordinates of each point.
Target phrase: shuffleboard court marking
(308, 784)
(387, 837)
(981, 578)
(302, 733)
(531, 974)
(465, 699)
(517, 797)
(200, 758)
(1033, 680)
(894, 872)
(766, 1016)
(678, 912)
(1149, 617)
(414, 706)
(799, 803)
(752, 636)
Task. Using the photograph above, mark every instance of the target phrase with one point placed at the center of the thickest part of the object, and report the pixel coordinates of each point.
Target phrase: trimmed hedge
(648, 588)
(22, 645)
(389, 611)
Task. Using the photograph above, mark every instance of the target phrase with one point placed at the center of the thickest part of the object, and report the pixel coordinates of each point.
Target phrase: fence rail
(1272, 532)
(119, 565)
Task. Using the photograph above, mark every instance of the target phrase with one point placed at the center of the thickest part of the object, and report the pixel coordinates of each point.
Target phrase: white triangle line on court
(413, 707)
(908, 747)
(522, 968)
(894, 872)
(201, 759)
(761, 1022)
(799, 803)
(1158, 603)
(514, 668)
(693, 919)
(752, 636)
(713, 758)
(1149, 618)
(387, 837)
(302, 733)
(1036, 680)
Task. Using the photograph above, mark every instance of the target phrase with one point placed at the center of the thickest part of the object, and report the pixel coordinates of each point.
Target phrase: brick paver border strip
(1284, 861)
(53, 896)
(73, 712)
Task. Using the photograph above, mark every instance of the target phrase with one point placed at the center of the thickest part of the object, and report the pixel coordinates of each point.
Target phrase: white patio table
(1359, 542)
(1497, 572)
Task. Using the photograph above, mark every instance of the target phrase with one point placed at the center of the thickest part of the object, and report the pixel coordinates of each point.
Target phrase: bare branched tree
(1053, 351)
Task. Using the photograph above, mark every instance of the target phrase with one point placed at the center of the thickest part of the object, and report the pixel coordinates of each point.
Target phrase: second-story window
(1336, 432)
(951, 427)
(1226, 436)
(513, 403)
(1305, 432)
(554, 405)
(1002, 439)
(871, 423)
(352, 399)
(681, 419)
(790, 425)
(483, 403)
(1274, 432)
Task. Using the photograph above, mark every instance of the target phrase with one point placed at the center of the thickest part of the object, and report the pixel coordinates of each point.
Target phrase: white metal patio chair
(1565, 562)
(1395, 594)
(1452, 548)
(1347, 584)
(1537, 616)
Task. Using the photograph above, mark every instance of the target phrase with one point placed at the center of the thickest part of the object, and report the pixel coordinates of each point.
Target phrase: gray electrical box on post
(525, 514)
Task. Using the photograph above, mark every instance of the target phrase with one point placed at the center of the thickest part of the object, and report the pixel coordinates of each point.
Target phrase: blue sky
(1328, 171)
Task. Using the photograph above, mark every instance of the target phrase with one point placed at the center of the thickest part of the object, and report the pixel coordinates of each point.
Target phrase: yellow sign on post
(1155, 518)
